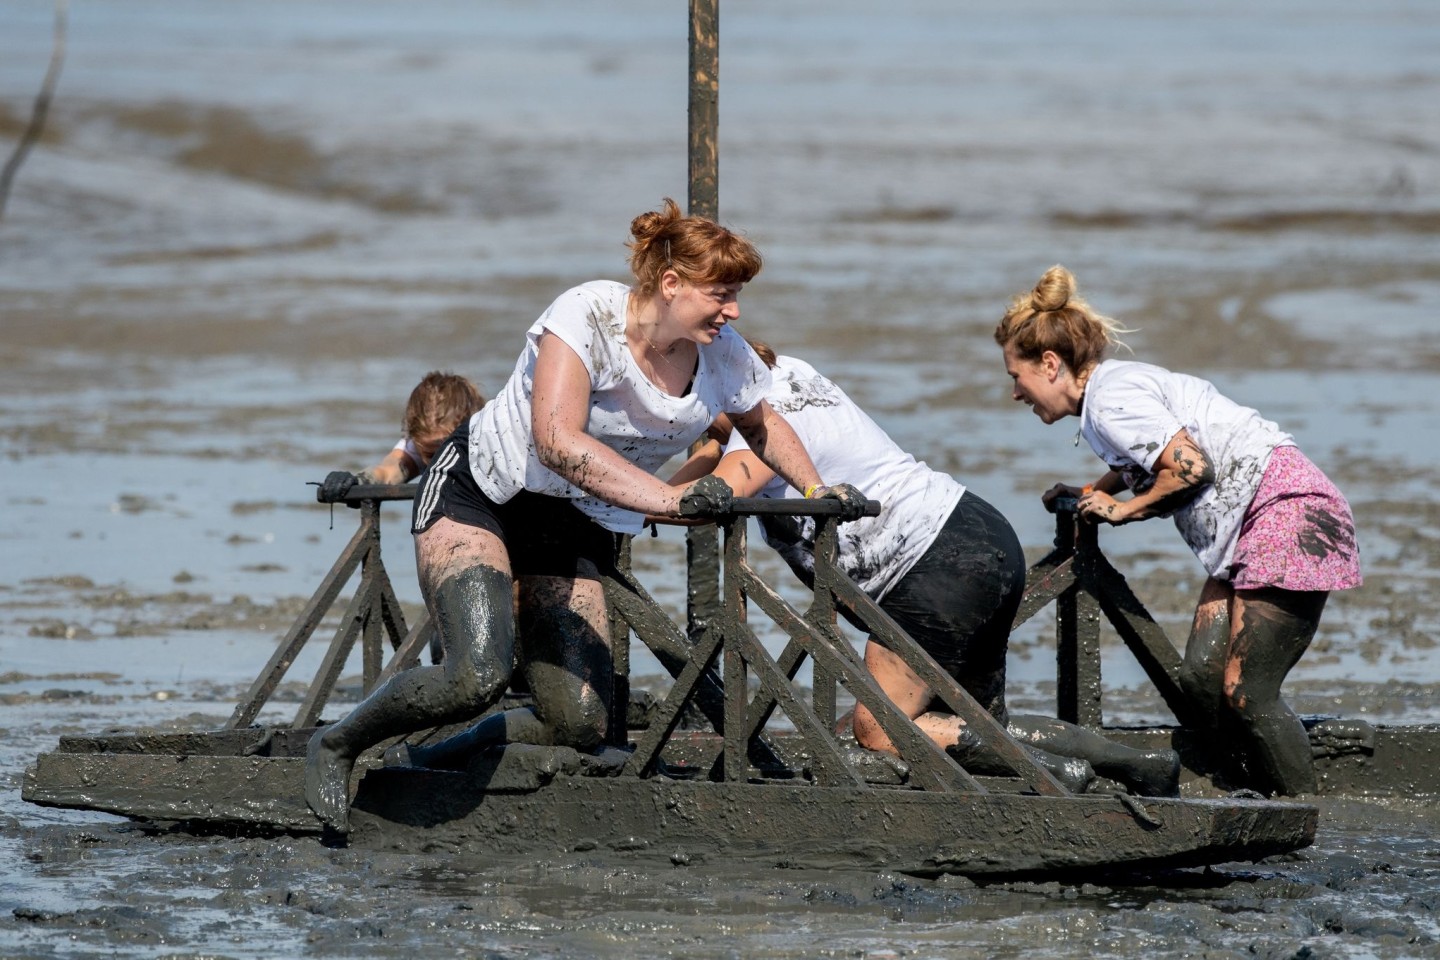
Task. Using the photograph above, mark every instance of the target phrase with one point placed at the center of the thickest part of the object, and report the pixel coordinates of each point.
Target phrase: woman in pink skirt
(1274, 534)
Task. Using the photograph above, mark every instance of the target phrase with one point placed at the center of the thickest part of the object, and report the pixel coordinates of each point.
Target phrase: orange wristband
(1088, 488)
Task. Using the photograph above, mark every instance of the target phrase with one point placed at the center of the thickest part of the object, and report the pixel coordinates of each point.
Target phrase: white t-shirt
(407, 446)
(1131, 410)
(848, 447)
(628, 413)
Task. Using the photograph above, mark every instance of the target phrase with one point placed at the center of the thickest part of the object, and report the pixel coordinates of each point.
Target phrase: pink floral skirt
(1299, 533)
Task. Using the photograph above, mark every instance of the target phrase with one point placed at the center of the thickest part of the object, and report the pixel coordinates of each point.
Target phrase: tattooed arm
(1181, 473)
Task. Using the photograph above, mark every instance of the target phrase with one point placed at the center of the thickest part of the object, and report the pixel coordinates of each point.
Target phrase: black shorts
(959, 600)
(545, 536)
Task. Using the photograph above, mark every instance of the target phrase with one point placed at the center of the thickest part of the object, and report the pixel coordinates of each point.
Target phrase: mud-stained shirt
(1131, 410)
(849, 447)
(628, 413)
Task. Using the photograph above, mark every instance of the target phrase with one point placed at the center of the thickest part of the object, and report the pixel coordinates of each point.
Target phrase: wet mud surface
(243, 240)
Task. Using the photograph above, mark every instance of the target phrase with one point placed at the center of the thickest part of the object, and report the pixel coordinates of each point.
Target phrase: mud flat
(1366, 888)
(244, 239)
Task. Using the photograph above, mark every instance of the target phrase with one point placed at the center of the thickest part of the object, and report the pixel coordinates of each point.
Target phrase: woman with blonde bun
(1274, 534)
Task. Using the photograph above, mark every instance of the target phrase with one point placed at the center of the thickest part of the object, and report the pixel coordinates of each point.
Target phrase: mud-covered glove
(337, 484)
(852, 501)
(707, 498)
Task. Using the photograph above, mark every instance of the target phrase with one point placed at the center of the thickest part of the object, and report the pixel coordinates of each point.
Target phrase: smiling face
(698, 311)
(1043, 384)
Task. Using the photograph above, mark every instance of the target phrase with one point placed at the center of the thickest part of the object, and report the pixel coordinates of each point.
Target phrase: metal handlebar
(765, 506)
(744, 506)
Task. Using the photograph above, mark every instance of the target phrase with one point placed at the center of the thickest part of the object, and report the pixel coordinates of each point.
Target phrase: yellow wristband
(810, 490)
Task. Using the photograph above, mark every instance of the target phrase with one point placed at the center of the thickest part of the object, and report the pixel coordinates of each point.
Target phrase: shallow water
(251, 227)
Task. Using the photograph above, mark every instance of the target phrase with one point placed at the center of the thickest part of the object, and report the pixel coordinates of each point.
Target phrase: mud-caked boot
(971, 752)
(1074, 774)
(1154, 773)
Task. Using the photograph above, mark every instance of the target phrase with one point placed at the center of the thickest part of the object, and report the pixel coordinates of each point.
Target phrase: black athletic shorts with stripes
(545, 536)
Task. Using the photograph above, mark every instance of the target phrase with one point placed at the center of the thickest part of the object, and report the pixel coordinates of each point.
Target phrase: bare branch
(42, 105)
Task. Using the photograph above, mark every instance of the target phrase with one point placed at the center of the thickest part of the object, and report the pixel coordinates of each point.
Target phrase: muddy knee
(1200, 684)
(474, 619)
(574, 713)
(569, 670)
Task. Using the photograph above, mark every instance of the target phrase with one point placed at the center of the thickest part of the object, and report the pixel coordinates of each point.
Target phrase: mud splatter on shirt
(628, 413)
(847, 446)
(1132, 410)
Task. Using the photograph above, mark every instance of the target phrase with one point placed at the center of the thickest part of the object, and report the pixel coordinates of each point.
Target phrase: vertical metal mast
(702, 544)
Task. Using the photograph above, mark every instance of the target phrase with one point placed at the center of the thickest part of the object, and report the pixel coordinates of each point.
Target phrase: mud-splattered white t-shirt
(849, 447)
(628, 413)
(1131, 410)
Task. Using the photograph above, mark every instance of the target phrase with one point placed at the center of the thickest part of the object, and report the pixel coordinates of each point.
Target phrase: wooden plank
(668, 821)
(667, 716)
(259, 791)
(674, 650)
(355, 617)
(535, 799)
(1146, 639)
(407, 655)
(828, 765)
(932, 769)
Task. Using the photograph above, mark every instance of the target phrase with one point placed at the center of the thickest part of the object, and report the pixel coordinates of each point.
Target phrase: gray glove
(707, 498)
(852, 501)
(337, 484)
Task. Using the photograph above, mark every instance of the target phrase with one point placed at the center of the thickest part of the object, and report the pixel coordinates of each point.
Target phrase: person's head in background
(439, 403)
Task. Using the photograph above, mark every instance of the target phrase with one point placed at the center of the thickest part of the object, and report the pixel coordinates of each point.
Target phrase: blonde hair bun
(1054, 290)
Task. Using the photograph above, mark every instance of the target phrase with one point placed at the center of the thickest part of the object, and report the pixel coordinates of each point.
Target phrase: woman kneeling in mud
(944, 564)
(1273, 532)
(614, 380)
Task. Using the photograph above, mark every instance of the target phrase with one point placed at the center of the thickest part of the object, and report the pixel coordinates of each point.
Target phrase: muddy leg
(907, 691)
(914, 697)
(518, 725)
(977, 757)
(1273, 628)
(567, 662)
(1202, 674)
(571, 661)
(465, 578)
(1149, 773)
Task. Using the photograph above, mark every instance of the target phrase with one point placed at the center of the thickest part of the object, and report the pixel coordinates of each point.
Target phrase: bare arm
(397, 467)
(560, 409)
(701, 462)
(1181, 473)
(741, 469)
(776, 446)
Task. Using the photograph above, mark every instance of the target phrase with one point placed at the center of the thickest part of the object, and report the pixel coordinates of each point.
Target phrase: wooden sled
(747, 788)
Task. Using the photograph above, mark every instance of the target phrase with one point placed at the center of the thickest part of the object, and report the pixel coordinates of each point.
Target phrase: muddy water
(250, 228)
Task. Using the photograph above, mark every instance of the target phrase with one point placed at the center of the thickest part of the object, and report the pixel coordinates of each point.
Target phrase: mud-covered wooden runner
(746, 788)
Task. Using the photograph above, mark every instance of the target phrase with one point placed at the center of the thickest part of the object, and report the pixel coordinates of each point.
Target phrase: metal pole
(704, 108)
(702, 544)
